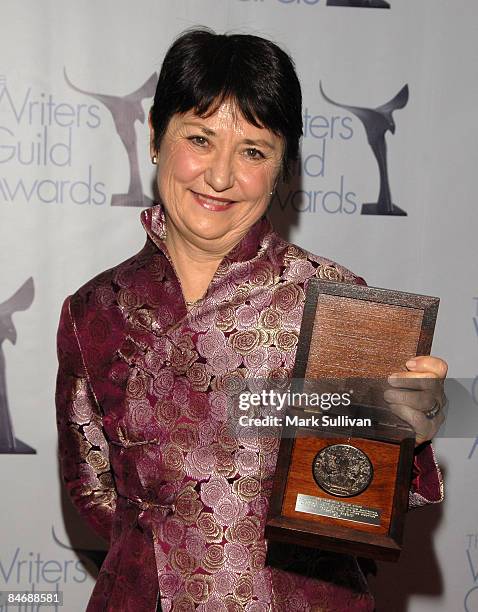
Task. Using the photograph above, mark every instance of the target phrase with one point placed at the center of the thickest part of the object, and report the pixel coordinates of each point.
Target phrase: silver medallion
(342, 470)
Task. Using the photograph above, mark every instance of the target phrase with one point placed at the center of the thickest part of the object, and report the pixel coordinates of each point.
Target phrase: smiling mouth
(211, 202)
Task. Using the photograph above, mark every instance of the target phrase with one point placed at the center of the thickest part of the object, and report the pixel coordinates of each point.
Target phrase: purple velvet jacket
(144, 448)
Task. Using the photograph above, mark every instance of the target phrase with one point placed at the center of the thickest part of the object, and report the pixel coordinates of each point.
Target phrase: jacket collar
(255, 241)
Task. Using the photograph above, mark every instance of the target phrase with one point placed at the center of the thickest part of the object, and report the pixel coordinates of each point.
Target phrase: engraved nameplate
(337, 509)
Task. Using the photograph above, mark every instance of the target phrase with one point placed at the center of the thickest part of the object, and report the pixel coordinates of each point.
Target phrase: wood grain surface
(358, 338)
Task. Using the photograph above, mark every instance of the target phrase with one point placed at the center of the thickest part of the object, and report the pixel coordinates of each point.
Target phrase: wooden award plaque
(338, 488)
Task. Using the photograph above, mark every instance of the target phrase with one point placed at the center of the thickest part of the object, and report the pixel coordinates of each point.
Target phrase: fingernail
(411, 363)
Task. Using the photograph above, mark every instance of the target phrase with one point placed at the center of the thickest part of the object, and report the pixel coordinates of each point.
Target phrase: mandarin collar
(153, 220)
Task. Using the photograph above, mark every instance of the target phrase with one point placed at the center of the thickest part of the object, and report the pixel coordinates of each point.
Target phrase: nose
(220, 172)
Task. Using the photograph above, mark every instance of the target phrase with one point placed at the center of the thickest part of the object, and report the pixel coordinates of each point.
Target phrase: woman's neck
(194, 267)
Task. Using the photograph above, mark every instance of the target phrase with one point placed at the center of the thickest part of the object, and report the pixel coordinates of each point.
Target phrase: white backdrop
(62, 159)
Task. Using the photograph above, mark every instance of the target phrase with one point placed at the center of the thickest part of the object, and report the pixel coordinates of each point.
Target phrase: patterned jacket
(145, 451)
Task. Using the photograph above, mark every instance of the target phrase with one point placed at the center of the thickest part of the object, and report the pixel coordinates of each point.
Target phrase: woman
(150, 350)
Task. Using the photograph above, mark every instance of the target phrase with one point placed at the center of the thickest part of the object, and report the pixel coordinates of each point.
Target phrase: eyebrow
(260, 142)
(208, 132)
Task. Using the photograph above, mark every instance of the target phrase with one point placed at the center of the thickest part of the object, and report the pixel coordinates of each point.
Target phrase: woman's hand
(417, 395)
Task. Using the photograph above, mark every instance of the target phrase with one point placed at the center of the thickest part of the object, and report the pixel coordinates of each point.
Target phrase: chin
(212, 235)
(208, 231)
(210, 222)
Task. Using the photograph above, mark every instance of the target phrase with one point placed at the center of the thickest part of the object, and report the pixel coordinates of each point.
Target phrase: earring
(154, 160)
(271, 193)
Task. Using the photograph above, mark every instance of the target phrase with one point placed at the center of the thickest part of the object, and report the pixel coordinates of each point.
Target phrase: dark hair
(202, 69)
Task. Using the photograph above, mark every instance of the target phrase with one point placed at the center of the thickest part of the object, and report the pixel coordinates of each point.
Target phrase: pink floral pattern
(143, 398)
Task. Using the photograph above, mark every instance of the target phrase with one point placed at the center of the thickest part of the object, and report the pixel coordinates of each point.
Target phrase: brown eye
(254, 153)
(200, 141)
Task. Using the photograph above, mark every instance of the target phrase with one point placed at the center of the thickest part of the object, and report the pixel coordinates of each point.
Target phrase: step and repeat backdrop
(386, 185)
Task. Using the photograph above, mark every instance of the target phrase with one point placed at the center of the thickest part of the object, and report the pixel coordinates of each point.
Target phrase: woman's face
(215, 175)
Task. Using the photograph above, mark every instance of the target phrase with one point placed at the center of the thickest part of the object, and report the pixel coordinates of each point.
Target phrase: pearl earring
(154, 160)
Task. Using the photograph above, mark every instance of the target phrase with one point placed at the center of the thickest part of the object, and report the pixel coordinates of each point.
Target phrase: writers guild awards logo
(95, 556)
(360, 3)
(126, 111)
(377, 122)
(470, 601)
(21, 300)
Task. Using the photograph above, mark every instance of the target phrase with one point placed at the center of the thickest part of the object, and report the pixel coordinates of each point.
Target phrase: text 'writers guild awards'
(377, 122)
(342, 479)
(126, 110)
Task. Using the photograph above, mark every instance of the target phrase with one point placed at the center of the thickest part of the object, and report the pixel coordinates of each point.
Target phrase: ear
(152, 146)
